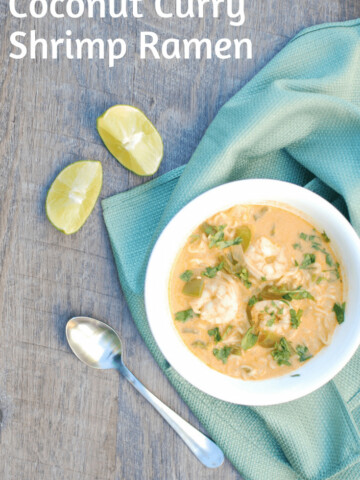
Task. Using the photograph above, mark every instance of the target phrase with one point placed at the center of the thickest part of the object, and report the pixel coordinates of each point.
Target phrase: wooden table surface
(59, 419)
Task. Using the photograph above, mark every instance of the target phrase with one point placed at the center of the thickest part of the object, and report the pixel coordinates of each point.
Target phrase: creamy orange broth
(285, 253)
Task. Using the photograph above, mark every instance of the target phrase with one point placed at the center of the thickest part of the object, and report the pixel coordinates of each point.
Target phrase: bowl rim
(189, 366)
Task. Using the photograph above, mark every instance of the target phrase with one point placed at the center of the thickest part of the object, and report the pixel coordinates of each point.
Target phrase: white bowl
(316, 372)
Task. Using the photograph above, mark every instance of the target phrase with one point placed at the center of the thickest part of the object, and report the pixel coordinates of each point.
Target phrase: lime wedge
(133, 140)
(73, 195)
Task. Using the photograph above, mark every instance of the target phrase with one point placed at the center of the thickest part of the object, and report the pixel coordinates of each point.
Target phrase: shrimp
(274, 316)
(266, 259)
(219, 302)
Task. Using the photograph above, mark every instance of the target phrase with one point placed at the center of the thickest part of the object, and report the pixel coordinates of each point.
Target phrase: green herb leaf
(325, 237)
(339, 312)
(271, 320)
(309, 259)
(296, 246)
(228, 243)
(208, 229)
(295, 375)
(254, 299)
(249, 339)
(185, 315)
(272, 292)
(303, 236)
(186, 276)
(282, 353)
(244, 277)
(295, 317)
(211, 272)
(215, 332)
(215, 234)
(329, 260)
(222, 353)
(303, 352)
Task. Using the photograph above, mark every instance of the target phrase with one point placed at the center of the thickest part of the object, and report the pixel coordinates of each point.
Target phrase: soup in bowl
(252, 290)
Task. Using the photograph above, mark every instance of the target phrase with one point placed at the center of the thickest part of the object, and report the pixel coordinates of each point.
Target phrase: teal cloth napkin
(297, 120)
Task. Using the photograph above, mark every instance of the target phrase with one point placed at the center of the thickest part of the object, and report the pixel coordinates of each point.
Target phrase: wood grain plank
(60, 420)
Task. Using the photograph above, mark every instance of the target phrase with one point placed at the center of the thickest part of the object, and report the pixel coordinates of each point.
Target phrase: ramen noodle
(256, 292)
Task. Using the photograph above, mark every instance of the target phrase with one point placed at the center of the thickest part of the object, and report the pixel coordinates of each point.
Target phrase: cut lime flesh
(131, 138)
(73, 194)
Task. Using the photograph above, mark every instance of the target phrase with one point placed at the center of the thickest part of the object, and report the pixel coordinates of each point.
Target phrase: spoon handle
(202, 447)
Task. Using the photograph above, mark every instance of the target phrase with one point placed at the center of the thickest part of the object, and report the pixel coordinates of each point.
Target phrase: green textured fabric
(297, 120)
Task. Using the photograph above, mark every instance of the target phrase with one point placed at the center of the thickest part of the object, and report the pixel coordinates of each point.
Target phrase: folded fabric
(298, 120)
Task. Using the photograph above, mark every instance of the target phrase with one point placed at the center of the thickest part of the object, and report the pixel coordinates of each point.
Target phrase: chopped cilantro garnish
(325, 237)
(222, 353)
(185, 315)
(186, 276)
(215, 332)
(244, 277)
(295, 375)
(217, 238)
(297, 294)
(215, 234)
(339, 312)
(211, 272)
(295, 317)
(228, 243)
(296, 246)
(254, 299)
(335, 271)
(329, 260)
(263, 279)
(303, 352)
(272, 292)
(282, 353)
(303, 236)
(271, 320)
(319, 280)
(249, 339)
(209, 229)
(309, 259)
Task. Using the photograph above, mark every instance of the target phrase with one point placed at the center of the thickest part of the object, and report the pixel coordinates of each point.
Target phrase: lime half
(73, 195)
(133, 140)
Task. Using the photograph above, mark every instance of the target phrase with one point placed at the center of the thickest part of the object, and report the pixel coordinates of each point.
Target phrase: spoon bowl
(93, 342)
(97, 345)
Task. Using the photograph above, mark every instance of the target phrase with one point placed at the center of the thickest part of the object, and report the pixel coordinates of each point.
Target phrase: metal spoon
(99, 346)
